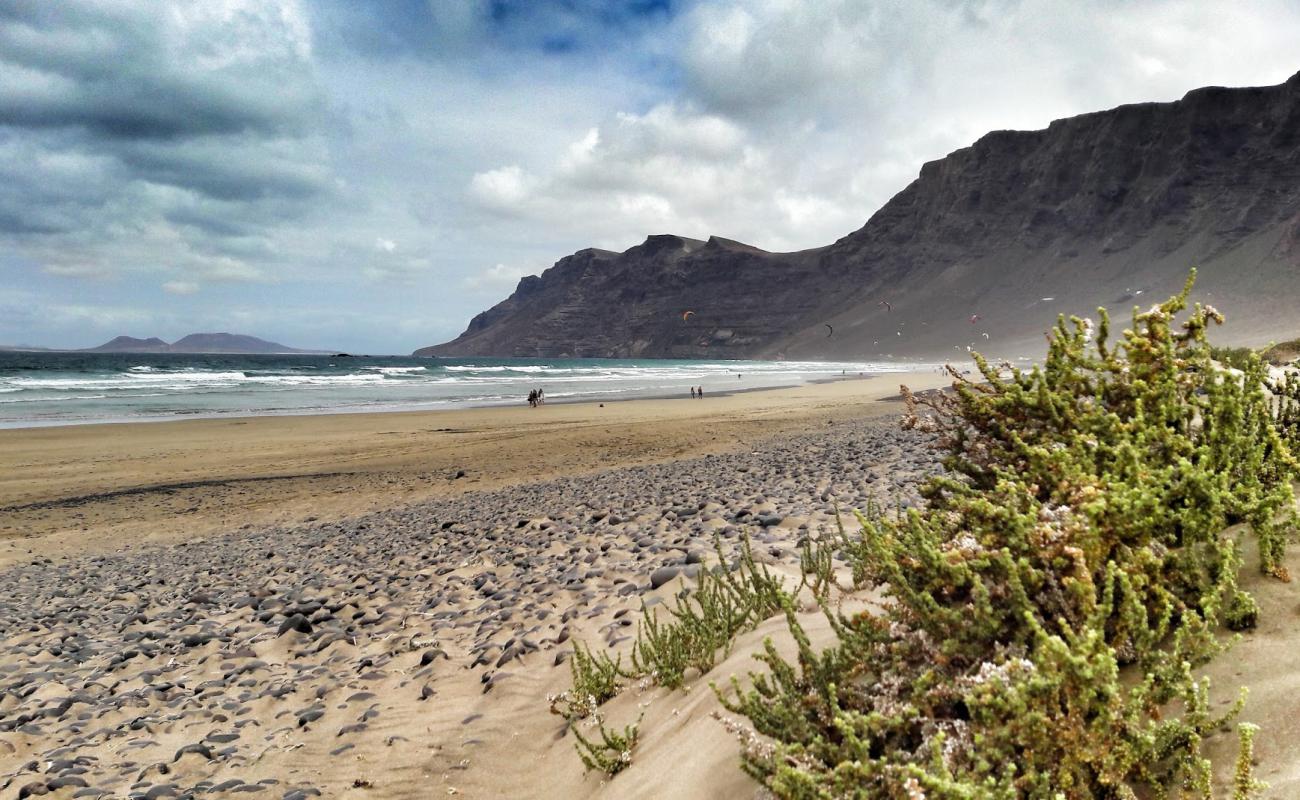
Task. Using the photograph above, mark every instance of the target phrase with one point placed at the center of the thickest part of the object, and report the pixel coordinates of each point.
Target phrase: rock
(663, 575)
(297, 622)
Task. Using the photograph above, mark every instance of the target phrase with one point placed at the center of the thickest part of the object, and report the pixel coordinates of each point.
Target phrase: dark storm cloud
(121, 72)
(190, 128)
(227, 169)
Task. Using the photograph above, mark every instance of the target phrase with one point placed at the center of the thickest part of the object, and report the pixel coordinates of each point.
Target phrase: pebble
(246, 639)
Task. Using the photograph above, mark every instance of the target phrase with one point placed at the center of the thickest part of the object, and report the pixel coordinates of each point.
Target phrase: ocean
(43, 388)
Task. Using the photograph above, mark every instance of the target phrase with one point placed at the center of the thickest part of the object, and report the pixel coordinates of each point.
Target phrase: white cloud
(99, 317)
(504, 188)
(180, 287)
(672, 169)
(386, 245)
(498, 278)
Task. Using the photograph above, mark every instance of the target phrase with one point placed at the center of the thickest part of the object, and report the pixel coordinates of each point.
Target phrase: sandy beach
(319, 606)
(96, 488)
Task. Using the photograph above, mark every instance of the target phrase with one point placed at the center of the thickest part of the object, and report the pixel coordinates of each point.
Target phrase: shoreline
(432, 408)
(102, 487)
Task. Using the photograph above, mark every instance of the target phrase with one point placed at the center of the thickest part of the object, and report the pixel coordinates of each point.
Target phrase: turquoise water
(69, 388)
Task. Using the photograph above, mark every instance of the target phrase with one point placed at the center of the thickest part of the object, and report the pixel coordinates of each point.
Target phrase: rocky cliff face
(983, 249)
(597, 304)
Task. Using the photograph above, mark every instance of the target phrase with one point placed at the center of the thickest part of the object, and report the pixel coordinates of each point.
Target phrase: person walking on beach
(692, 391)
(541, 397)
(532, 398)
(699, 391)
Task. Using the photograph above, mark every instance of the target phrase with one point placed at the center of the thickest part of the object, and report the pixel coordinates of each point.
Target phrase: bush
(703, 623)
(1078, 533)
(595, 680)
(612, 753)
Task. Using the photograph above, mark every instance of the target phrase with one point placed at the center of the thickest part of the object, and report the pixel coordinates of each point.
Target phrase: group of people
(697, 391)
(536, 398)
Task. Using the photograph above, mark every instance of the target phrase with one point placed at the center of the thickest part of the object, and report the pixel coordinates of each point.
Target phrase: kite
(986, 336)
(974, 318)
(886, 304)
(687, 315)
(829, 328)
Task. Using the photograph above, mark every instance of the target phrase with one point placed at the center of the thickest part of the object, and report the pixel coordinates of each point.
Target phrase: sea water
(47, 388)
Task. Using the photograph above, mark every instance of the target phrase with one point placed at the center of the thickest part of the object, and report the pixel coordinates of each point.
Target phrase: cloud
(672, 169)
(124, 70)
(133, 141)
(362, 162)
(180, 287)
(498, 278)
(504, 188)
(98, 317)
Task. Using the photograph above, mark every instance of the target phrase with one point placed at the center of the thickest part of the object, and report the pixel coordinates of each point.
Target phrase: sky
(368, 176)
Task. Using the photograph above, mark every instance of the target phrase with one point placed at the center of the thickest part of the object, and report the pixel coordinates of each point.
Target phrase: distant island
(199, 343)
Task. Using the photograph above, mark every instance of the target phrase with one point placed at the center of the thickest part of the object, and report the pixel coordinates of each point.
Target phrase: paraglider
(829, 328)
(687, 315)
(886, 304)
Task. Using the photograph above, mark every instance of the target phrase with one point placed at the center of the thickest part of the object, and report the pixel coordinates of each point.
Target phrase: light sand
(96, 488)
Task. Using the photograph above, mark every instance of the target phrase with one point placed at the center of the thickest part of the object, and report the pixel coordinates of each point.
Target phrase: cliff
(983, 249)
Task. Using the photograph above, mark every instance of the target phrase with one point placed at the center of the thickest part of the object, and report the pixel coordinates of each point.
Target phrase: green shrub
(1078, 532)
(595, 680)
(1237, 357)
(613, 752)
(1244, 784)
(703, 622)
(706, 621)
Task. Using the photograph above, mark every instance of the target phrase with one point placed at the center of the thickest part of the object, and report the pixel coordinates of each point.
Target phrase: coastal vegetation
(1040, 619)
(702, 624)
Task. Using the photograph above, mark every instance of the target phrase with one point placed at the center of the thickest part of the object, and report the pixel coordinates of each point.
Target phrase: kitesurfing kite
(829, 328)
(687, 315)
(886, 304)
(974, 318)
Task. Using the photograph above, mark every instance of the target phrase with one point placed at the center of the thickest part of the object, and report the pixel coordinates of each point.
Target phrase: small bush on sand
(1236, 357)
(706, 621)
(1078, 532)
(703, 622)
(612, 753)
(595, 680)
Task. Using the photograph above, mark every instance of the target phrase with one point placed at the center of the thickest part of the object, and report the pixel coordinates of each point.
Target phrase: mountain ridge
(233, 343)
(983, 249)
